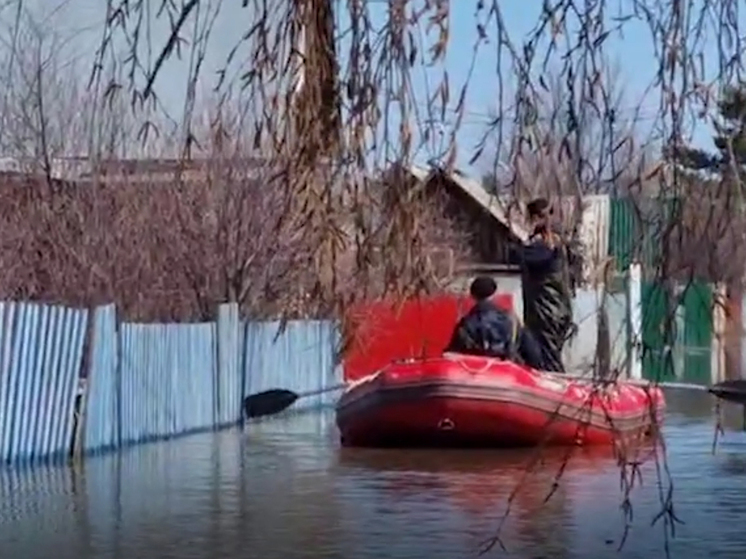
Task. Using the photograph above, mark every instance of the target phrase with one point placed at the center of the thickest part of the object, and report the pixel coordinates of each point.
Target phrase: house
(473, 228)
(488, 224)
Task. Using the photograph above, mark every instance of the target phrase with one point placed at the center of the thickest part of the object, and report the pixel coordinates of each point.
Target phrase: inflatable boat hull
(471, 401)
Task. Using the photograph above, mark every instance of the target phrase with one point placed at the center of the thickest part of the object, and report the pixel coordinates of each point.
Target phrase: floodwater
(284, 489)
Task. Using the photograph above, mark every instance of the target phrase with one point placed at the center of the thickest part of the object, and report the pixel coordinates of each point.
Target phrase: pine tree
(729, 136)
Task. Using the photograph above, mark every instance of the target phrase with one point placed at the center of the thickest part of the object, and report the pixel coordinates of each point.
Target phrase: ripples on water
(283, 489)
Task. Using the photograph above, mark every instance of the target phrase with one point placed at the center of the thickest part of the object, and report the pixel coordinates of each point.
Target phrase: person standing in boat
(490, 331)
(547, 287)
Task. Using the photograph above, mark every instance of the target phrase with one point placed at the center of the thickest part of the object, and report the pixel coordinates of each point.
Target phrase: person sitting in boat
(490, 331)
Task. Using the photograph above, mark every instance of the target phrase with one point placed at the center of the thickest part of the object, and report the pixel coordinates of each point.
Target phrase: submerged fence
(151, 381)
(41, 351)
(143, 381)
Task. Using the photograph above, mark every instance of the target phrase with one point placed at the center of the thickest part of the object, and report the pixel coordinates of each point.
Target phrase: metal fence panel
(42, 352)
(193, 375)
(229, 377)
(102, 406)
(301, 358)
(167, 379)
(145, 381)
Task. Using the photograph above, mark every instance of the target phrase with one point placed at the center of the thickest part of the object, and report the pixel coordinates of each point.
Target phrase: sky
(631, 52)
(79, 24)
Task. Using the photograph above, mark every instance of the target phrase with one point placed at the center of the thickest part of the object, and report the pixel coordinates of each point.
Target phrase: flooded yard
(284, 489)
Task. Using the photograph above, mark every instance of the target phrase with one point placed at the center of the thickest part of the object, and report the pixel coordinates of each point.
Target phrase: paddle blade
(730, 390)
(268, 402)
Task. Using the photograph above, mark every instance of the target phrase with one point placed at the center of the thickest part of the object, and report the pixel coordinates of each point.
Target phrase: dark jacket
(492, 332)
(547, 298)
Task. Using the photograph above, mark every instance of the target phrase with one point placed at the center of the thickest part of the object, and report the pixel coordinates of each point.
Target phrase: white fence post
(228, 373)
(719, 300)
(634, 301)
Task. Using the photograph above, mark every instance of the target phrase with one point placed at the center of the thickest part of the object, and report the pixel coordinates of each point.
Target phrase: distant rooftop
(82, 168)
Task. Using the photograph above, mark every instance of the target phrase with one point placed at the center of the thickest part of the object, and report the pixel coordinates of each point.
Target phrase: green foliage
(729, 135)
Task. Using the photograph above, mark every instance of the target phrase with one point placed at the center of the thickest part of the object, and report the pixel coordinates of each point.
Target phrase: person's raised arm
(538, 254)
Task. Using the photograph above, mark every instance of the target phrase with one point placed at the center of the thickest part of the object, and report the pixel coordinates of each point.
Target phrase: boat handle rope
(452, 357)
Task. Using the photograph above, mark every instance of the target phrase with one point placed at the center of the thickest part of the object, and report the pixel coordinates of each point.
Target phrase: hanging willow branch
(330, 87)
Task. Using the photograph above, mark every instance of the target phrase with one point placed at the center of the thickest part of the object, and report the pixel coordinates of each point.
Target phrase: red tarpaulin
(416, 328)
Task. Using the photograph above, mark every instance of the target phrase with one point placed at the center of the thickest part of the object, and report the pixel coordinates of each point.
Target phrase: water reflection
(540, 488)
(41, 504)
(472, 480)
(284, 489)
(690, 406)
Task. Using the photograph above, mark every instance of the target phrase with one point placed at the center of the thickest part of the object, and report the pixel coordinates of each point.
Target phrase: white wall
(580, 351)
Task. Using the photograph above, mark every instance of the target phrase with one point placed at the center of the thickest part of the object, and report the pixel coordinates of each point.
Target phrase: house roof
(594, 222)
(476, 192)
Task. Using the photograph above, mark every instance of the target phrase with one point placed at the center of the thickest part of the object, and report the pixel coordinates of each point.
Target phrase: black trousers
(551, 351)
(552, 337)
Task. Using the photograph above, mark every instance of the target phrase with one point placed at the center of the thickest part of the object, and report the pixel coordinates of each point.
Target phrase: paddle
(276, 400)
(633, 382)
(730, 390)
(271, 402)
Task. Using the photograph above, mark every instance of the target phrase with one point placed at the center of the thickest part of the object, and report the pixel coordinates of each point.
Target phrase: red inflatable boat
(459, 400)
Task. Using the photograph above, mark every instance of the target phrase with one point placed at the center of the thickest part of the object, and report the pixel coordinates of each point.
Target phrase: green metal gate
(677, 332)
(698, 332)
(636, 228)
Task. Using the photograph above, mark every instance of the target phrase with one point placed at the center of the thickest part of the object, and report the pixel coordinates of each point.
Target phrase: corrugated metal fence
(41, 352)
(144, 381)
(167, 376)
(152, 381)
(302, 357)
